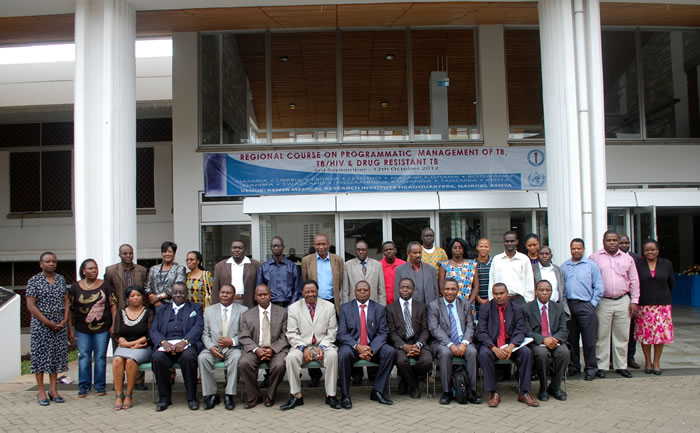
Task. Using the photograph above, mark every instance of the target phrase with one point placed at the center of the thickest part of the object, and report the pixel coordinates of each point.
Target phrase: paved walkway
(644, 403)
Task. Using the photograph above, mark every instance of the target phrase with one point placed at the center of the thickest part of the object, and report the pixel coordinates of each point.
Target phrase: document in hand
(160, 349)
(525, 342)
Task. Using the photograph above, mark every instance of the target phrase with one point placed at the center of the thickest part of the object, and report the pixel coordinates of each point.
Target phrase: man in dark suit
(261, 345)
(500, 332)
(544, 269)
(176, 334)
(408, 333)
(362, 334)
(451, 324)
(546, 325)
(423, 275)
(240, 272)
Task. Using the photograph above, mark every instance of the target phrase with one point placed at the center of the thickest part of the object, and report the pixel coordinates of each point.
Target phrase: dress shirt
(582, 281)
(261, 315)
(457, 322)
(619, 274)
(547, 273)
(129, 276)
(324, 273)
(389, 271)
(283, 279)
(410, 306)
(237, 274)
(515, 273)
(546, 311)
(177, 308)
(359, 314)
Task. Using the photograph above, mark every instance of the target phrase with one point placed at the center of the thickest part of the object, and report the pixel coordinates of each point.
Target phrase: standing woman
(199, 282)
(47, 301)
(162, 277)
(532, 245)
(653, 324)
(461, 269)
(131, 332)
(93, 308)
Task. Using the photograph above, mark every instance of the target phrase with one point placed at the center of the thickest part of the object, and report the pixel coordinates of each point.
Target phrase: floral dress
(200, 288)
(49, 349)
(464, 274)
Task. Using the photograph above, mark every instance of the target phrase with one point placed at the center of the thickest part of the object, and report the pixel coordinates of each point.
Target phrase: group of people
(330, 313)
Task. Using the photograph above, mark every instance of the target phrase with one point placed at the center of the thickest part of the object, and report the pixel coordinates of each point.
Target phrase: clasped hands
(136, 344)
(309, 355)
(364, 351)
(180, 346)
(412, 350)
(221, 342)
(264, 353)
(458, 350)
(503, 353)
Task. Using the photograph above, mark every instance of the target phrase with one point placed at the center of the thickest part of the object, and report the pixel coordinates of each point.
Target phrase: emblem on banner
(536, 179)
(535, 157)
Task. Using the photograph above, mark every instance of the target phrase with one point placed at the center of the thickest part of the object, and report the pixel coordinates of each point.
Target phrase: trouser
(206, 361)
(410, 373)
(444, 356)
(560, 360)
(613, 320)
(522, 357)
(347, 356)
(162, 362)
(293, 362)
(248, 366)
(582, 325)
(90, 345)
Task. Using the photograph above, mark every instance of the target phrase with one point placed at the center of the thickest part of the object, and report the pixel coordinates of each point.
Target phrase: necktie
(312, 311)
(266, 330)
(363, 325)
(545, 322)
(364, 268)
(407, 319)
(454, 332)
(224, 323)
(502, 332)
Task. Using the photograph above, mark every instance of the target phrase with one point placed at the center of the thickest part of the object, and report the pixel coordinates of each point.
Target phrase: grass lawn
(27, 367)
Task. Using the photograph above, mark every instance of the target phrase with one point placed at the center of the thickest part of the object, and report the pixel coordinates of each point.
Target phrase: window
(621, 85)
(40, 181)
(216, 242)
(298, 232)
(524, 81)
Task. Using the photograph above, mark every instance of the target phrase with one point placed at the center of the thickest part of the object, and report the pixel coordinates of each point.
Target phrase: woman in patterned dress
(461, 269)
(47, 301)
(93, 308)
(199, 281)
(162, 277)
(653, 325)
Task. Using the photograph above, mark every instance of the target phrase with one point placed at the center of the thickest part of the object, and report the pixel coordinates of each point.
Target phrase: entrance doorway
(376, 228)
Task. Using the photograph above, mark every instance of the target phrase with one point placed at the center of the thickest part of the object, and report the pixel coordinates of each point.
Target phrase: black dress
(48, 349)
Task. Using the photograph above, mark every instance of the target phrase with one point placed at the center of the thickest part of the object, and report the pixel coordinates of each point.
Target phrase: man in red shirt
(389, 264)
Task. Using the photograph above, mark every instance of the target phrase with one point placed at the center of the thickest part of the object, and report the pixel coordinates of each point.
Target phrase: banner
(321, 171)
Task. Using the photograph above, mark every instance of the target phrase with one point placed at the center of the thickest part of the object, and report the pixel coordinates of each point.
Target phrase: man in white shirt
(238, 271)
(513, 269)
(221, 342)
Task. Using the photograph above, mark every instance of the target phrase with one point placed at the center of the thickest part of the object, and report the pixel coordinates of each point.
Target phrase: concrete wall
(653, 163)
(11, 340)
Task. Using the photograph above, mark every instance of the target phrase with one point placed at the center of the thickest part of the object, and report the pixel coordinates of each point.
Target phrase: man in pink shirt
(389, 264)
(618, 305)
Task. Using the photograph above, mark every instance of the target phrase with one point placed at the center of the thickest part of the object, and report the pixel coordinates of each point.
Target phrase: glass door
(369, 228)
(407, 228)
(644, 226)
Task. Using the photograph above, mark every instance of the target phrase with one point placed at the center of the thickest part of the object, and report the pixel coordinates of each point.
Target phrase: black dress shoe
(210, 401)
(292, 403)
(633, 364)
(229, 404)
(473, 397)
(403, 388)
(378, 396)
(266, 381)
(623, 372)
(161, 406)
(333, 402)
(141, 387)
(589, 376)
(415, 393)
(314, 382)
(345, 402)
(194, 404)
(572, 372)
(445, 398)
(558, 394)
(542, 395)
(268, 402)
(357, 380)
(600, 374)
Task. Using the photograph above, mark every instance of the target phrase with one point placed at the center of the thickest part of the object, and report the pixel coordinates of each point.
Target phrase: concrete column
(105, 129)
(492, 89)
(561, 124)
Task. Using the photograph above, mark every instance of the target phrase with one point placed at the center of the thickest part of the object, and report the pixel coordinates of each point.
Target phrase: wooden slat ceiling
(159, 23)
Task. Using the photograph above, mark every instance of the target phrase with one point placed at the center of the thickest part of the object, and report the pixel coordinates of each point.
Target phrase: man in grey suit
(264, 340)
(423, 275)
(544, 269)
(546, 325)
(363, 268)
(221, 342)
(451, 324)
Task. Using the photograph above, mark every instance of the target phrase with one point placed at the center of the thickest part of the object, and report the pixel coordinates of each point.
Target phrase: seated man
(407, 319)
(362, 334)
(222, 322)
(546, 325)
(176, 334)
(311, 331)
(500, 331)
(451, 324)
(264, 340)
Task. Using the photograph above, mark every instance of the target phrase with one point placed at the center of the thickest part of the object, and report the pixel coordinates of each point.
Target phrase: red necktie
(312, 311)
(545, 322)
(363, 326)
(502, 335)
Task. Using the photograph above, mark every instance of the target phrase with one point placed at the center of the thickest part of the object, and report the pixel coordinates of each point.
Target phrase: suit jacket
(222, 275)
(308, 272)
(193, 324)
(397, 324)
(114, 275)
(425, 281)
(349, 326)
(300, 328)
(439, 320)
(374, 276)
(250, 329)
(489, 327)
(561, 286)
(557, 321)
(212, 324)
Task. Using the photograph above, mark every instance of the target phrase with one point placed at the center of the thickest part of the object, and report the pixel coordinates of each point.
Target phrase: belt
(577, 300)
(615, 299)
(237, 297)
